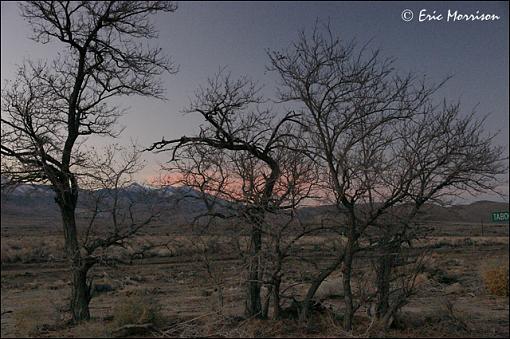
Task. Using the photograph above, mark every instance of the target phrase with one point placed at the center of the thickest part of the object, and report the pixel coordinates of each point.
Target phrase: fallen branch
(174, 327)
(132, 329)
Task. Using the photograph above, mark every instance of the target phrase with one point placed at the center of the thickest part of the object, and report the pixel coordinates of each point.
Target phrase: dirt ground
(451, 299)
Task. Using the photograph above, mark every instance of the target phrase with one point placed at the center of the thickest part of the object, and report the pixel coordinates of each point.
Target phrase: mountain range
(34, 203)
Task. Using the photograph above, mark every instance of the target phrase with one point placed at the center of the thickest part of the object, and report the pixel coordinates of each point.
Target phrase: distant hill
(34, 205)
(479, 211)
(476, 212)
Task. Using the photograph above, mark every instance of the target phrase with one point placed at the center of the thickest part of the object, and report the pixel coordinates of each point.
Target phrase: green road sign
(499, 216)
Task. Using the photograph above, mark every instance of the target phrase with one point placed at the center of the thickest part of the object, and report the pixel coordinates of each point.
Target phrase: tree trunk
(67, 210)
(253, 302)
(257, 216)
(305, 309)
(80, 296)
(276, 299)
(347, 272)
(350, 249)
(383, 274)
(265, 308)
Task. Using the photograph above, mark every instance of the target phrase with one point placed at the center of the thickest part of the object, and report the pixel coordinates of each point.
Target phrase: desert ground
(192, 298)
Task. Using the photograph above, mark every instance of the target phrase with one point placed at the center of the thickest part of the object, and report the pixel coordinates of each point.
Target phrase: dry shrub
(452, 320)
(496, 280)
(137, 309)
(421, 280)
(441, 276)
(326, 323)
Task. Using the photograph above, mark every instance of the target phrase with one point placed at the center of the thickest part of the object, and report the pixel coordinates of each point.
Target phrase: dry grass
(458, 241)
(33, 320)
(31, 250)
(91, 329)
(26, 322)
(50, 248)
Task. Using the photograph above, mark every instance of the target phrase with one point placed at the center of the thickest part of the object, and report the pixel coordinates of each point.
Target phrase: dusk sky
(202, 36)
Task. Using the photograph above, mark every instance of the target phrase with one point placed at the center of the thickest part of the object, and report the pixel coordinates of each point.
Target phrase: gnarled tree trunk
(80, 294)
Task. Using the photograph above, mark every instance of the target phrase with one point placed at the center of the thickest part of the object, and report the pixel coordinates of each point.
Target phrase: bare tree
(229, 185)
(378, 137)
(446, 154)
(240, 156)
(112, 208)
(49, 109)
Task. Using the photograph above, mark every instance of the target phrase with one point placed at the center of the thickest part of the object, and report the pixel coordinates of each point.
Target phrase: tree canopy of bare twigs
(245, 155)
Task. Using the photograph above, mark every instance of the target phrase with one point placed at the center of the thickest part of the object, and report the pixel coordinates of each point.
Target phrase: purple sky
(202, 36)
